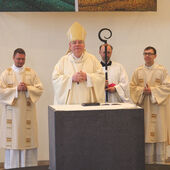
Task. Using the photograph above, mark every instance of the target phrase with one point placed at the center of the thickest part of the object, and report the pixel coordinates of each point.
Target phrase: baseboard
(41, 162)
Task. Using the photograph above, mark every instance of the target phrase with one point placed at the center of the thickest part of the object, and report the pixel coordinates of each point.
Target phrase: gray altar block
(96, 137)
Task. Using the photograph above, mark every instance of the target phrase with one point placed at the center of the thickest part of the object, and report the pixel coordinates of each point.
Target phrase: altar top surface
(108, 106)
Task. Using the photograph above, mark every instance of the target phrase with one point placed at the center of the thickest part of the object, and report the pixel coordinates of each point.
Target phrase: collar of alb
(17, 69)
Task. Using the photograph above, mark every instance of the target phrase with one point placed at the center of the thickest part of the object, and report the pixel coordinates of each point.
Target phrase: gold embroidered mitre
(76, 32)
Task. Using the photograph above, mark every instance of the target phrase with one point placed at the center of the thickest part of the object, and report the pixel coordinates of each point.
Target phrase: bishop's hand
(79, 77)
(22, 87)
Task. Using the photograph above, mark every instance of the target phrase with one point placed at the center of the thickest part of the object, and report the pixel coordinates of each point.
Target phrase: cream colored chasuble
(68, 92)
(19, 121)
(156, 108)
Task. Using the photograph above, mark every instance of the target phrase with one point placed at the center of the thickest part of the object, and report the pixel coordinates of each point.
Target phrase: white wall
(43, 36)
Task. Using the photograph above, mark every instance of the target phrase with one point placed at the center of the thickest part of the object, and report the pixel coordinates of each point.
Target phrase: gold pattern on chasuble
(158, 81)
(9, 71)
(154, 116)
(153, 126)
(27, 81)
(27, 76)
(28, 124)
(28, 133)
(8, 136)
(27, 69)
(141, 80)
(9, 139)
(9, 121)
(8, 117)
(152, 134)
(10, 79)
(10, 85)
(28, 140)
